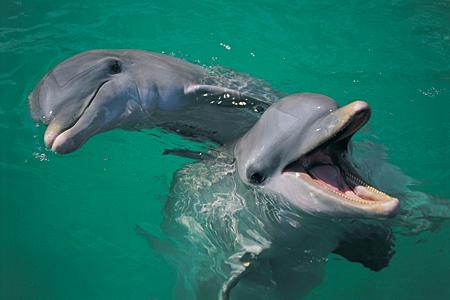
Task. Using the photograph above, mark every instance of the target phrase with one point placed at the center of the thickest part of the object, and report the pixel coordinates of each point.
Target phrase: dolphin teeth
(349, 196)
(365, 193)
(358, 181)
(334, 176)
(360, 192)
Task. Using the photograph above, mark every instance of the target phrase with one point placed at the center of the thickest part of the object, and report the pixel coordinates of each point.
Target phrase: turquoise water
(67, 222)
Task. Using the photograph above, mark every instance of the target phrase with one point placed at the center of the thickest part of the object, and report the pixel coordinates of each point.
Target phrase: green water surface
(67, 222)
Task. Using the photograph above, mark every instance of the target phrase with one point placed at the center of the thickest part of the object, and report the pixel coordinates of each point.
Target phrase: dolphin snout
(56, 138)
(65, 137)
(64, 144)
(53, 130)
(359, 105)
(347, 112)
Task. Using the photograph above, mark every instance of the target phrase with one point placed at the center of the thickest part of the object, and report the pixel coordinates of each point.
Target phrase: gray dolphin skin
(258, 218)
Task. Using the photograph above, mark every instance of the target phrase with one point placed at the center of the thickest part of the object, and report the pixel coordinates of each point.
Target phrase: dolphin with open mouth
(275, 205)
(260, 216)
(298, 149)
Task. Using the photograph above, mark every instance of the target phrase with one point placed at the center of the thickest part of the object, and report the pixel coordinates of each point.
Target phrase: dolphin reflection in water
(257, 216)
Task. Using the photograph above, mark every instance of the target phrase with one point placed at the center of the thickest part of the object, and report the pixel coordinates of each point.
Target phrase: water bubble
(226, 46)
(40, 156)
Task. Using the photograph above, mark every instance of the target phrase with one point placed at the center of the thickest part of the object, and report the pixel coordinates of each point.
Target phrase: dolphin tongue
(329, 176)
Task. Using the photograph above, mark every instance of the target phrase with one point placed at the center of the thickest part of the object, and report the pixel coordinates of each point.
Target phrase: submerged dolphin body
(263, 218)
(259, 219)
(229, 240)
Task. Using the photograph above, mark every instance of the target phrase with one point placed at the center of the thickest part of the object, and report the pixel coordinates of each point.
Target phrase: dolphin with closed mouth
(99, 90)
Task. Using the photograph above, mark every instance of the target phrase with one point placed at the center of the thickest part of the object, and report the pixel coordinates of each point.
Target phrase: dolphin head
(99, 90)
(86, 94)
(299, 149)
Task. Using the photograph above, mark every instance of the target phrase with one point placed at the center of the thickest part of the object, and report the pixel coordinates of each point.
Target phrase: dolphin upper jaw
(344, 121)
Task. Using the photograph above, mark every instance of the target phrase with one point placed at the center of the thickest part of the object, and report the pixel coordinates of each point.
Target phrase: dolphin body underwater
(259, 215)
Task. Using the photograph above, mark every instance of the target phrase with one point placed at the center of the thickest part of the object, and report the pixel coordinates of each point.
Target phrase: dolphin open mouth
(326, 167)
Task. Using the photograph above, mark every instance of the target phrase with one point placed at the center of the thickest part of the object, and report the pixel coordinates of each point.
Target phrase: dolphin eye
(115, 67)
(257, 178)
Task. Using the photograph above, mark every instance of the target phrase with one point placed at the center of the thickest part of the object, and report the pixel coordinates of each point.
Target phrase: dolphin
(99, 90)
(260, 215)
(262, 218)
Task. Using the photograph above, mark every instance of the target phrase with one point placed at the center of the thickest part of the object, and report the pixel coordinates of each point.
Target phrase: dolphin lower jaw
(342, 192)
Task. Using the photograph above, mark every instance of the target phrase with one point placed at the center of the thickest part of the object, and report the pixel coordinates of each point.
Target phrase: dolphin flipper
(230, 284)
(155, 239)
(186, 153)
(370, 245)
(247, 261)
